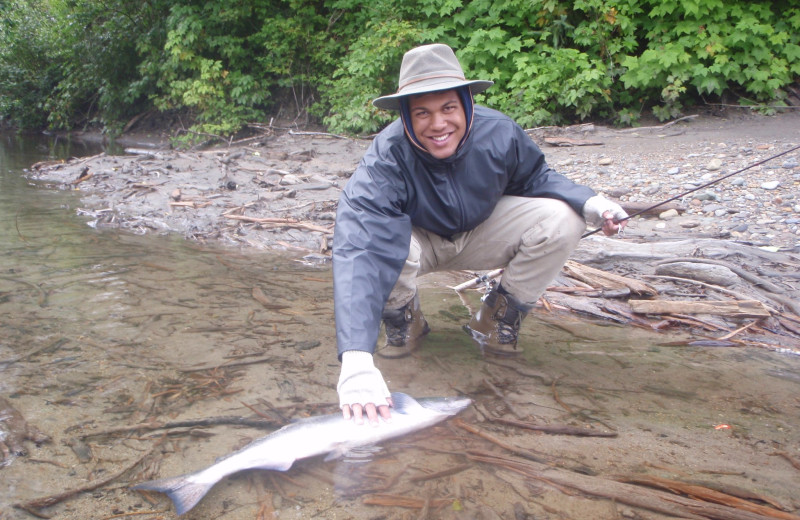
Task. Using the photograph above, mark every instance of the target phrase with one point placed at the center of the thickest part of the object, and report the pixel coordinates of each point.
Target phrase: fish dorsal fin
(404, 403)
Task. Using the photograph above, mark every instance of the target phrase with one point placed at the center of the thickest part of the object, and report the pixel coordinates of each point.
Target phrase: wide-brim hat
(429, 68)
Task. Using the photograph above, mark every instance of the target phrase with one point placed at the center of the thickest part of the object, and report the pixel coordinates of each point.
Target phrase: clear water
(101, 329)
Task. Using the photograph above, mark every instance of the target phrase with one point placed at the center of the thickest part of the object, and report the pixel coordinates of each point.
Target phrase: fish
(329, 435)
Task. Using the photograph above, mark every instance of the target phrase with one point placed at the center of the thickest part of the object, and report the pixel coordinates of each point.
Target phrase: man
(448, 186)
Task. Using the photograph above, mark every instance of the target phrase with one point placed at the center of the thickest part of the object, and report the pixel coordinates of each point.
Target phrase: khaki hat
(429, 68)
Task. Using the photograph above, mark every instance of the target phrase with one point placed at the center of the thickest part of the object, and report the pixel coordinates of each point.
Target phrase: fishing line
(654, 206)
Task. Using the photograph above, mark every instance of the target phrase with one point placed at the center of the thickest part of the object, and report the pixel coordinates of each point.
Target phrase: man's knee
(558, 223)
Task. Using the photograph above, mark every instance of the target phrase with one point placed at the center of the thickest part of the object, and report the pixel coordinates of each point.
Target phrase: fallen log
(734, 309)
(567, 141)
(708, 495)
(626, 493)
(597, 278)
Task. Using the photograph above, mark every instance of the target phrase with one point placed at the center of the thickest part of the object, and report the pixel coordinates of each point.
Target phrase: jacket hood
(467, 102)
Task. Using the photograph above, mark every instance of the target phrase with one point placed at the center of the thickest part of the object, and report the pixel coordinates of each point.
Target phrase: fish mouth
(447, 405)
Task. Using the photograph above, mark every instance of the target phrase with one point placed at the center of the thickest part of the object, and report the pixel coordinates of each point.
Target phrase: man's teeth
(441, 137)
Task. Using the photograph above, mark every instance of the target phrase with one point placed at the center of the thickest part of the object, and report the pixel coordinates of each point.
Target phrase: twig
(209, 421)
(440, 474)
(277, 222)
(42, 294)
(383, 499)
(794, 462)
(735, 332)
(134, 513)
(558, 399)
(321, 134)
(659, 127)
(499, 394)
(269, 359)
(40, 503)
(525, 454)
(554, 429)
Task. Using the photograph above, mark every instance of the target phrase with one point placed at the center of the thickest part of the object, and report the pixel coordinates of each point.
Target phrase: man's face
(439, 121)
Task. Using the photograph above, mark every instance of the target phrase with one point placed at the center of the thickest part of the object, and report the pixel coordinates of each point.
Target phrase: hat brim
(392, 102)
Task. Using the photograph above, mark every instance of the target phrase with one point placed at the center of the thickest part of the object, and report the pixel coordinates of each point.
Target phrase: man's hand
(362, 389)
(602, 213)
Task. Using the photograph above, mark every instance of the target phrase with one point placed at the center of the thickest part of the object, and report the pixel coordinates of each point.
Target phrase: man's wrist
(357, 359)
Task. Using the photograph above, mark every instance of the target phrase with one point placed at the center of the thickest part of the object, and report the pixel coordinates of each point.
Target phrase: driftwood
(567, 141)
(702, 503)
(629, 494)
(599, 250)
(709, 495)
(281, 222)
(605, 280)
(647, 209)
(554, 429)
(191, 423)
(734, 309)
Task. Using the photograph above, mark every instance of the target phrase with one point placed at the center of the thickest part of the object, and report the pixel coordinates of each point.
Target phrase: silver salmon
(320, 435)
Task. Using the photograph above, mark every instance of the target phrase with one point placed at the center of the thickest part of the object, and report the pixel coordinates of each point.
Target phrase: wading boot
(405, 327)
(495, 326)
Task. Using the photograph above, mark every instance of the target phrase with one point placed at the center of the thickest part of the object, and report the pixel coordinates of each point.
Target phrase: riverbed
(104, 329)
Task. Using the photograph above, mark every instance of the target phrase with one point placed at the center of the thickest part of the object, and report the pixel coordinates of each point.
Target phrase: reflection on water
(104, 331)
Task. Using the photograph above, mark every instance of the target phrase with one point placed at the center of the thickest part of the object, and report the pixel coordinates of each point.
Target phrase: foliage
(66, 63)
(226, 63)
(371, 67)
(708, 47)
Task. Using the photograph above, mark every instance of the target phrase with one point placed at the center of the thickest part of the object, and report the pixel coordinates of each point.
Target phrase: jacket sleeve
(532, 177)
(370, 246)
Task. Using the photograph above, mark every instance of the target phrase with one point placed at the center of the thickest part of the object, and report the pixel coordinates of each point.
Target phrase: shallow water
(103, 329)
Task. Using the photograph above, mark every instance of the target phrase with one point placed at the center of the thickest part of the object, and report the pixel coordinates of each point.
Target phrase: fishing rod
(654, 206)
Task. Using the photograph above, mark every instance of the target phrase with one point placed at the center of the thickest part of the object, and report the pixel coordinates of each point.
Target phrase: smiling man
(450, 185)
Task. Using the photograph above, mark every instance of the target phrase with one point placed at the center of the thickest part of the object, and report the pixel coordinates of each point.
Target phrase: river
(102, 329)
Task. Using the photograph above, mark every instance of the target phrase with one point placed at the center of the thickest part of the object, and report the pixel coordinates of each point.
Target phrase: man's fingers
(385, 413)
(358, 413)
(372, 413)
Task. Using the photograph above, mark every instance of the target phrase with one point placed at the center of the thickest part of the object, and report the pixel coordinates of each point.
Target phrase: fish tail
(184, 493)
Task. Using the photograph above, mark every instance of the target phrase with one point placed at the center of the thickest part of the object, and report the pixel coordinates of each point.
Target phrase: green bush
(709, 47)
(225, 63)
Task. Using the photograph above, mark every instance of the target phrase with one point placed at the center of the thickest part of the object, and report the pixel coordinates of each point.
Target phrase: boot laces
(397, 326)
(508, 327)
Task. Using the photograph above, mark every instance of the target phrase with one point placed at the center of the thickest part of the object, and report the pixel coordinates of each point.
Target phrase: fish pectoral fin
(338, 452)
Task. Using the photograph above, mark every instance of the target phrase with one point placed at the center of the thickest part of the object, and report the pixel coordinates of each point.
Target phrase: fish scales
(310, 437)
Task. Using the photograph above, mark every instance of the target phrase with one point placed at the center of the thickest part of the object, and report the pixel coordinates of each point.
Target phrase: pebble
(714, 164)
(669, 214)
(759, 205)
